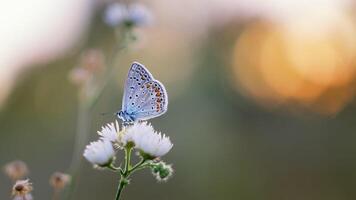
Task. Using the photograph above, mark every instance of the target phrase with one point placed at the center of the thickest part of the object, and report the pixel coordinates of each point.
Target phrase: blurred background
(261, 95)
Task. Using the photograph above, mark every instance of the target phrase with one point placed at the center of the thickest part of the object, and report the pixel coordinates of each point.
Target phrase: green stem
(137, 166)
(128, 160)
(55, 194)
(127, 171)
(144, 165)
(120, 188)
(125, 40)
(82, 136)
(113, 168)
(80, 142)
(123, 178)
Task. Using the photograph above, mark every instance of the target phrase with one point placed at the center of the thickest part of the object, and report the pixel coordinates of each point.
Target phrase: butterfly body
(144, 97)
(126, 117)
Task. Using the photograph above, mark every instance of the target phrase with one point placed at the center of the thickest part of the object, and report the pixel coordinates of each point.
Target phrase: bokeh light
(34, 32)
(298, 64)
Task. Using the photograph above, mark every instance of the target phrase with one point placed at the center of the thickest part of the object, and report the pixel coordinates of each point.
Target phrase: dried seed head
(92, 60)
(59, 180)
(79, 76)
(22, 188)
(16, 170)
(91, 65)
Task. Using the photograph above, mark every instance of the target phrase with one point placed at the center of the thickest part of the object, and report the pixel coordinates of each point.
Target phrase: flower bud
(162, 171)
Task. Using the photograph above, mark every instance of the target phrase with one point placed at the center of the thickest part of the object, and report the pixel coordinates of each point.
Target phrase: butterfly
(144, 97)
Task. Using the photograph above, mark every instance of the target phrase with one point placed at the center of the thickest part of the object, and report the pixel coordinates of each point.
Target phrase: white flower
(139, 15)
(100, 152)
(117, 14)
(144, 138)
(109, 132)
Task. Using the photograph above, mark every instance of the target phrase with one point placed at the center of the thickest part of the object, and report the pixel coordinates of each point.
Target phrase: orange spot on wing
(158, 94)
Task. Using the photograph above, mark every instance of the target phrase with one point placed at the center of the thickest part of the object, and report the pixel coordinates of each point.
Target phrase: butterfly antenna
(103, 114)
(107, 113)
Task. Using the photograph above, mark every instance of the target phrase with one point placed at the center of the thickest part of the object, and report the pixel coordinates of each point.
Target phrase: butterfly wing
(138, 75)
(152, 101)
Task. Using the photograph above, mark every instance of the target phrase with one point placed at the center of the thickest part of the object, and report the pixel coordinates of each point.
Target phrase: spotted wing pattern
(138, 75)
(144, 97)
(153, 102)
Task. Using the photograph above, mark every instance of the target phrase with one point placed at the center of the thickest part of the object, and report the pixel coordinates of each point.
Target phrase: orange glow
(274, 65)
(249, 78)
(325, 57)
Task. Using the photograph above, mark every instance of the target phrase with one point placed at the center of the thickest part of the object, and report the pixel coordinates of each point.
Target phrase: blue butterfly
(144, 97)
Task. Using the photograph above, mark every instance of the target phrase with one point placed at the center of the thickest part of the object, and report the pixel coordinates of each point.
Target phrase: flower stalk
(87, 101)
(125, 173)
(128, 170)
